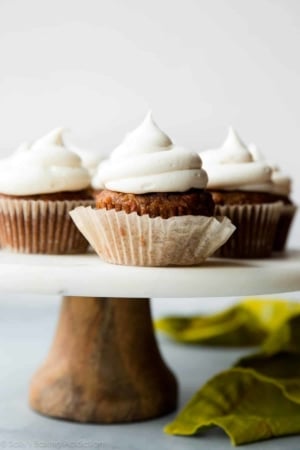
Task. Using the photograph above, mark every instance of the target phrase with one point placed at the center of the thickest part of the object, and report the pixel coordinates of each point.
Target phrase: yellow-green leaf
(260, 397)
(248, 323)
(247, 405)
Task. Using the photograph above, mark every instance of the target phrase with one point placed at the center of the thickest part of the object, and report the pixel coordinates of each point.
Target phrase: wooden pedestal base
(104, 365)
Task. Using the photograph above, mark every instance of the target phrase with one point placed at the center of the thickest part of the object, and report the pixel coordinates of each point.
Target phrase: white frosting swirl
(90, 159)
(147, 161)
(44, 167)
(232, 167)
(281, 183)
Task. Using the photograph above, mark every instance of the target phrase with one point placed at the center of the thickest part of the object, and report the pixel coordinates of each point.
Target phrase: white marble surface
(87, 275)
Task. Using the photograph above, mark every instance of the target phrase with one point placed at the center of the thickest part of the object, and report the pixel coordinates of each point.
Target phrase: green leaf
(283, 368)
(246, 324)
(260, 397)
(245, 404)
(285, 338)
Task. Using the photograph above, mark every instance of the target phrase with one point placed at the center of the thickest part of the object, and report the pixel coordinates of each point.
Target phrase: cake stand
(104, 364)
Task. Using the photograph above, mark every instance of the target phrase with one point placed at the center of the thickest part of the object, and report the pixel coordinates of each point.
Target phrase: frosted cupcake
(281, 186)
(153, 208)
(241, 189)
(39, 185)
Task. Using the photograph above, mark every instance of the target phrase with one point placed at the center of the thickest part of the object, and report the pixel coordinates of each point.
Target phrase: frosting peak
(234, 149)
(55, 138)
(147, 161)
(146, 138)
(232, 166)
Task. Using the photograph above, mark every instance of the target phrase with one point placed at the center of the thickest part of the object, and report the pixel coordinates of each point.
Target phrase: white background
(97, 66)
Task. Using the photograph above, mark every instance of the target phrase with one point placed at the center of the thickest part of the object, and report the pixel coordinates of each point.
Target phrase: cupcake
(241, 190)
(39, 184)
(152, 208)
(281, 187)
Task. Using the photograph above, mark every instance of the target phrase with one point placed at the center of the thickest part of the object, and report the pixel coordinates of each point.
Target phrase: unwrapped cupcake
(39, 184)
(152, 208)
(242, 189)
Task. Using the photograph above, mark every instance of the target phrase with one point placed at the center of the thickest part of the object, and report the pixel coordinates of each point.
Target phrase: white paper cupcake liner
(255, 229)
(129, 239)
(40, 226)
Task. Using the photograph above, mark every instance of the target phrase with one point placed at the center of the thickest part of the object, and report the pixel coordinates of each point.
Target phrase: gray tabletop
(26, 329)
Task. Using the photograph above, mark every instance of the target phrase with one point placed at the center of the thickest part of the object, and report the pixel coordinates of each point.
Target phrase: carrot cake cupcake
(39, 184)
(153, 208)
(240, 187)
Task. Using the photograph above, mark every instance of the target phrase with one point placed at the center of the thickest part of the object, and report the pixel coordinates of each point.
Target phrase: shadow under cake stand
(104, 365)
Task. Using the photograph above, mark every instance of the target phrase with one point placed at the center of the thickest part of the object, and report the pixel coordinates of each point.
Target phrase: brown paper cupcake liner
(39, 226)
(134, 240)
(255, 230)
(284, 224)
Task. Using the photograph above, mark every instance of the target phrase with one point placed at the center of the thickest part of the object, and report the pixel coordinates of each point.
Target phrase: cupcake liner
(286, 217)
(134, 240)
(40, 226)
(256, 227)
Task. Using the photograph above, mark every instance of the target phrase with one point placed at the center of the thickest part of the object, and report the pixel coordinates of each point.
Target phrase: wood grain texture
(104, 365)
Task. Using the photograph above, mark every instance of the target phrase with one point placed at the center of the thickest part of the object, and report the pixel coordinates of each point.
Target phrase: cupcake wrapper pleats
(283, 227)
(38, 226)
(130, 239)
(255, 233)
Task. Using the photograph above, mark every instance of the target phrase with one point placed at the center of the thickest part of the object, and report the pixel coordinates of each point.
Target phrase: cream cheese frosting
(90, 159)
(147, 161)
(232, 167)
(46, 166)
(281, 183)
